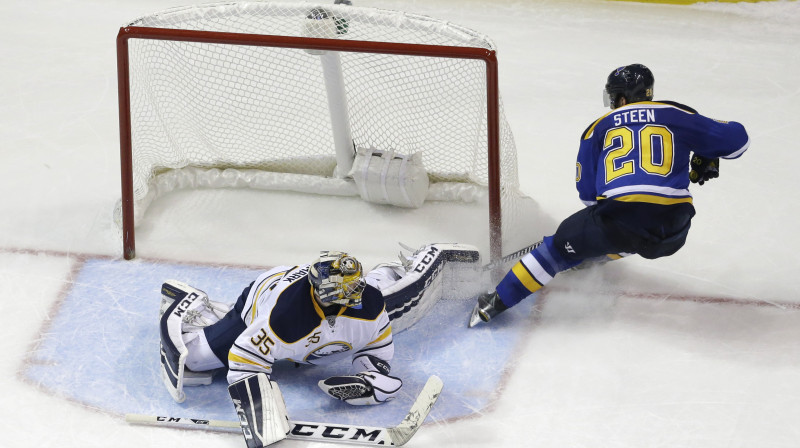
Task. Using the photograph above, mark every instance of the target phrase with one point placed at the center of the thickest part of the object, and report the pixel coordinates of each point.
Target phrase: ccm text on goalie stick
(325, 432)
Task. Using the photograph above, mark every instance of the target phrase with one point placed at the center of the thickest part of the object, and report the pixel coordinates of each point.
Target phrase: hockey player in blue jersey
(634, 167)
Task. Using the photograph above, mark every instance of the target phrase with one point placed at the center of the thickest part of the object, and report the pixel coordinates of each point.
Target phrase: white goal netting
(223, 114)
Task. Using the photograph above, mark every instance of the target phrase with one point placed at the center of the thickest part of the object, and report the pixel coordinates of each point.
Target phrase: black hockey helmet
(634, 82)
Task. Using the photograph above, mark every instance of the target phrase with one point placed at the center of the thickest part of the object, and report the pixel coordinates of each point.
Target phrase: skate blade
(475, 317)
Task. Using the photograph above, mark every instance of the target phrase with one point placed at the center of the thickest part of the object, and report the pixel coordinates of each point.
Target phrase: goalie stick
(325, 432)
(511, 257)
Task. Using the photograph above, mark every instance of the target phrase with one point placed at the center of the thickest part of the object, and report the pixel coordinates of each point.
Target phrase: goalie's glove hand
(362, 388)
(703, 169)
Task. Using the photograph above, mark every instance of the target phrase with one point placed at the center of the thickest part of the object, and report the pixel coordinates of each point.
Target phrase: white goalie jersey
(284, 321)
(278, 318)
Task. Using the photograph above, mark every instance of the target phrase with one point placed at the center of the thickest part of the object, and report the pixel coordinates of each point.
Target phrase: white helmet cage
(337, 278)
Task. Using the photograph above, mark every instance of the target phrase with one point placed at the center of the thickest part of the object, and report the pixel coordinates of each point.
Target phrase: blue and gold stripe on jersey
(652, 194)
(375, 346)
(245, 357)
(649, 198)
(266, 284)
(384, 338)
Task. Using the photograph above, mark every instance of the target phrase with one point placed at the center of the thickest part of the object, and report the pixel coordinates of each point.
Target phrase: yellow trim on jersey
(526, 278)
(261, 287)
(614, 256)
(241, 360)
(383, 336)
(590, 130)
(661, 200)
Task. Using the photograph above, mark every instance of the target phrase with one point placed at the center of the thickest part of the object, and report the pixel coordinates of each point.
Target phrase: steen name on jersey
(635, 116)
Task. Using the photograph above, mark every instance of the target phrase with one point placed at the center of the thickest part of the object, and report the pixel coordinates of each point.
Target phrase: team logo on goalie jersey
(328, 349)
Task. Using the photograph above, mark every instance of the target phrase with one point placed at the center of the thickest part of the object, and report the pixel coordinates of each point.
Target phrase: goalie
(316, 313)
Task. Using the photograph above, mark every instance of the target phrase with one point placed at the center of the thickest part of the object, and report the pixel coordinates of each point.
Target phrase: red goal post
(492, 114)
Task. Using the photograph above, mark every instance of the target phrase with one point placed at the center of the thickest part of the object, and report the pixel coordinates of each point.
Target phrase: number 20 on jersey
(655, 151)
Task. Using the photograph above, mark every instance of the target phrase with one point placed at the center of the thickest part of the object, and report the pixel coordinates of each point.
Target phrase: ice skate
(488, 306)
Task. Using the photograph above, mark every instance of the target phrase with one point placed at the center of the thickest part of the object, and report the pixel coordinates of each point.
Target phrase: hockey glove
(362, 388)
(703, 169)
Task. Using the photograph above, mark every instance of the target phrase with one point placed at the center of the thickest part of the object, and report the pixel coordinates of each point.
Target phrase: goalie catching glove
(362, 388)
(372, 386)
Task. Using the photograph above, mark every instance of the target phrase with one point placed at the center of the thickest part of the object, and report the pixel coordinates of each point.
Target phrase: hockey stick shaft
(312, 431)
(180, 422)
(324, 432)
(511, 257)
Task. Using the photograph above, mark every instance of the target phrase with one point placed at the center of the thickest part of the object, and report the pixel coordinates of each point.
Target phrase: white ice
(619, 356)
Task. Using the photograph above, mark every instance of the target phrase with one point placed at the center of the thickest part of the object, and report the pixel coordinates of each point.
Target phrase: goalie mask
(337, 278)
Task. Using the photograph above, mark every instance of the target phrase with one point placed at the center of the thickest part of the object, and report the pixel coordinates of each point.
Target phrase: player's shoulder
(293, 315)
(372, 305)
(598, 123)
(608, 119)
(666, 104)
(293, 274)
(288, 273)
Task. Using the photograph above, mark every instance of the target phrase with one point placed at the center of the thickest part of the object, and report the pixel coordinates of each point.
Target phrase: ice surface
(637, 353)
(104, 337)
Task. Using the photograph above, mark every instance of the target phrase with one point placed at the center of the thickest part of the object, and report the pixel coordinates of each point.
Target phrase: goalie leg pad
(201, 313)
(262, 412)
(412, 296)
(173, 350)
(184, 310)
(365, 388)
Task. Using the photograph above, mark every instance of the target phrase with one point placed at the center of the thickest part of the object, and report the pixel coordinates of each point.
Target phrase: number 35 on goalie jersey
(641, 152)
(284, 322)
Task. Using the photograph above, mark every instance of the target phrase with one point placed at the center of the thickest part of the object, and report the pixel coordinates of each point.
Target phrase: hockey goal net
(280, 95)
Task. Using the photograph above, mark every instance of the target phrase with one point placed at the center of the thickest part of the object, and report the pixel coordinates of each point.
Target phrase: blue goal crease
(102, 347)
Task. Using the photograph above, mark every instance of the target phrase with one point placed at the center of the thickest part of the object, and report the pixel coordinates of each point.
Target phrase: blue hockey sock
(532, 272)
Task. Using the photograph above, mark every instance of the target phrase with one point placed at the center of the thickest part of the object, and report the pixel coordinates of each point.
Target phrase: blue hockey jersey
(641, 152)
